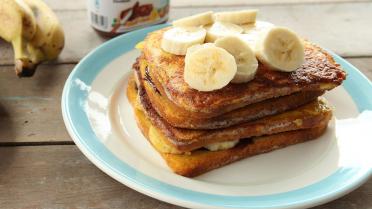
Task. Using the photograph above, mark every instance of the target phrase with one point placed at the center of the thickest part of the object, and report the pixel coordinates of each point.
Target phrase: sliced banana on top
(245, 58)
(252, 32)
(221, 29)
(199, 46)
(195, 20)
(178, 39)
(208, 67)
(256, 27)
(280, 49)
(196, 47)
(236, 17)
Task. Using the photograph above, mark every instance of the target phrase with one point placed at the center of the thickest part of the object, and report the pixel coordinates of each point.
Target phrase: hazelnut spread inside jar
(113, 17)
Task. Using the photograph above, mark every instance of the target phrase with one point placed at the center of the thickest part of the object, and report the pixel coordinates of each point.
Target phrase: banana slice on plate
(209, 68)
(280, 49)
(252, 31)
(236, 17)
(195, 20)
(176, 40)
(245, 58)
(221, 29)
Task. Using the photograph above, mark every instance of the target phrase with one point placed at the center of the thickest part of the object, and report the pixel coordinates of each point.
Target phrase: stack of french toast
(199, 129)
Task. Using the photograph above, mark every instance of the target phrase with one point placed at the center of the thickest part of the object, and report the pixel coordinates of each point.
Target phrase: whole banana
(34, 31)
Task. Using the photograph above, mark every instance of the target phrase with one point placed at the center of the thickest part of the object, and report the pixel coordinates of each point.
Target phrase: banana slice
(281, 49)
(221, 29)
(176, 40)
(140, 45)
(195, 20)
(237, 17)
(196, 47)
(209, 68)
(221, 145)
(252, 32)
(256, 27)
(245, 57)
(199, 46)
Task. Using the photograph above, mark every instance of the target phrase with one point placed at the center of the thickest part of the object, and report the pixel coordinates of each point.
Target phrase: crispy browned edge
(178, 117)
(185, 140)
(319, 72)
(265, 126)
(202, 161)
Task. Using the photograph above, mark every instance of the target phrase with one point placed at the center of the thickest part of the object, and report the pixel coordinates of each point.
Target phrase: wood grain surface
(41, 168)
(30, 109)
(61, 177)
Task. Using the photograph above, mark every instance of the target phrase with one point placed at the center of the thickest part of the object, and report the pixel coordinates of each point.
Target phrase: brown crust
(319, 72)
(202, 161)
(185, 140)
(181, 118)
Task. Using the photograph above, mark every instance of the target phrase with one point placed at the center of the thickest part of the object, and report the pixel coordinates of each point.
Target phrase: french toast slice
(181, 118)
(319, 72)
(186, 140)
(201, 161)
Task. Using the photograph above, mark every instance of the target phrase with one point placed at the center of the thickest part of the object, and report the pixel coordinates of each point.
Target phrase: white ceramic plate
(101, 122)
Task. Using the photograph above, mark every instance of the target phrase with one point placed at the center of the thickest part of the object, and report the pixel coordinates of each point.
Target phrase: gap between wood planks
(47, 143)
(49, 64)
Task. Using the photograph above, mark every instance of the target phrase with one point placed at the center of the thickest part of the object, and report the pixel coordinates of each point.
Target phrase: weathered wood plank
(335, 26)
(81, 4)
(61, 177)
(30, 108)
(364, 65)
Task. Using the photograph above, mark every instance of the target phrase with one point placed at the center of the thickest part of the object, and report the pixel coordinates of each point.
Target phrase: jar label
(118, 16)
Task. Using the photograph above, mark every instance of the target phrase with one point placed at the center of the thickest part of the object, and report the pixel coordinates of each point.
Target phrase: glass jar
(113, 17)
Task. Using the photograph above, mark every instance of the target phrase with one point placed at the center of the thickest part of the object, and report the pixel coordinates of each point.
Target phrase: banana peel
(10, 20)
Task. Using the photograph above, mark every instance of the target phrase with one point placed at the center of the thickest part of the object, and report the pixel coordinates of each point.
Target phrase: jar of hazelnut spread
(113, 17)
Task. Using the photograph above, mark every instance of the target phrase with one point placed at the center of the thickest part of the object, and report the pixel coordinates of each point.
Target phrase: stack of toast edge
(272, 111)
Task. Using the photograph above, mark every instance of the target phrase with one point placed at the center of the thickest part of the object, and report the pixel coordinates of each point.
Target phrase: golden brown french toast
(319, 72)
(185, 140)
(202, 160)
(181, 118)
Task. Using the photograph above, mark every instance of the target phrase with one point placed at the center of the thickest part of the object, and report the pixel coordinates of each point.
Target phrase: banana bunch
(34, 31)
(225, 47)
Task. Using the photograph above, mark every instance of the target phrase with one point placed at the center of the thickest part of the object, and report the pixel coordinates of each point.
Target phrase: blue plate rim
(337, 184)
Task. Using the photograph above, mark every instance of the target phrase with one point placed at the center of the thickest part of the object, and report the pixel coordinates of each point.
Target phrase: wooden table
(40, 167)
